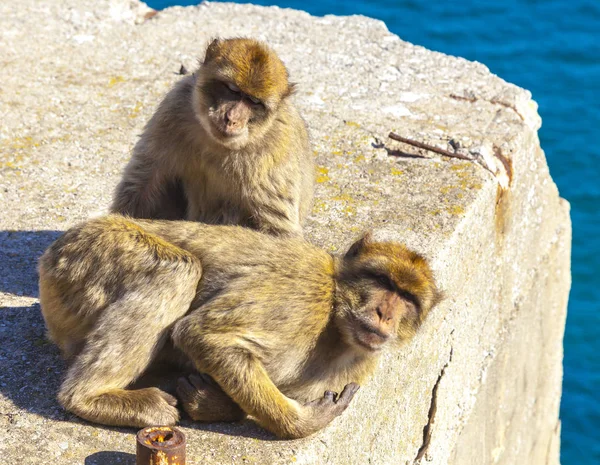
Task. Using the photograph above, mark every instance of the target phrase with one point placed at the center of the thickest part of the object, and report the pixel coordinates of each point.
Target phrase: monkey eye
(385, 281)
(254, 100)
(232, 87)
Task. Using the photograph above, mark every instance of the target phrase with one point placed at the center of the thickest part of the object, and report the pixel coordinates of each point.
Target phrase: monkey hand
(330, 406)
(204, 400)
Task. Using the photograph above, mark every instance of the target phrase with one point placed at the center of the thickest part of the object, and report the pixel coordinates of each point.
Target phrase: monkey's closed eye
(232, 87)
(254, 100)
(411, 300)
(385, 281)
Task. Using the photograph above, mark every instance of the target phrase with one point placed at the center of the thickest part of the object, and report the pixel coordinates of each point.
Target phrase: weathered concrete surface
(480, 384)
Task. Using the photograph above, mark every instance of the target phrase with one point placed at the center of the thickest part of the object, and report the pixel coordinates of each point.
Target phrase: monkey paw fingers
(161, 409)
(331, 405)
(203, 400)
(169, 399)
(343, 400)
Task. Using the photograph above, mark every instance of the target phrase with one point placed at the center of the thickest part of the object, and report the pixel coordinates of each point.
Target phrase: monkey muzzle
(235, 120)
(232, 130)
(370, 336)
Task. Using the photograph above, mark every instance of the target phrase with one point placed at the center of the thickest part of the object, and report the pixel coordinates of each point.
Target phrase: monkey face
(228, 114)
(239, 89)
(374, 318)
(391, 288)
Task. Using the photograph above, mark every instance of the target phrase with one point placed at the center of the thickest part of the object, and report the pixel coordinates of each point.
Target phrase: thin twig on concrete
(431, 148)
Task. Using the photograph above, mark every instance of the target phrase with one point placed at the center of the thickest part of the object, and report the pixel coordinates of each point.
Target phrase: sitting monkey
(226, 146)
(274, 321)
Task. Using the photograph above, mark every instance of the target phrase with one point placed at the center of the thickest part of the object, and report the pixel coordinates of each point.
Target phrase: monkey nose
(232, 127)
(383, 316)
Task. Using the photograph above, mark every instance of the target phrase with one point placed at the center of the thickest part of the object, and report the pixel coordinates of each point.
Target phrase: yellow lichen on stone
(467, 180)
(343, 198)
(21, 143)
(460, 166)
(349, 210)
(396, 171)
(14, 151)
(456, 210)
(348, 202)
(115, 80)
(352, 124)
(9, 165)
(319, 206)
(322, 174)
(135, 111)
(359, 158)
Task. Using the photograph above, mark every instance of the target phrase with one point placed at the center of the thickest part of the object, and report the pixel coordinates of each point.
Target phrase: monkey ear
(212, 50)
(291, 90)
(359, 245)
(438, 296)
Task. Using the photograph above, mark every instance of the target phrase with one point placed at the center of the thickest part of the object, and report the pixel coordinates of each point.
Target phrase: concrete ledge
(482, 381)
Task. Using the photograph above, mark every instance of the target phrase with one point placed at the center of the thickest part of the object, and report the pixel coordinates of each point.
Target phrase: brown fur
(224, 156)
(274, 321)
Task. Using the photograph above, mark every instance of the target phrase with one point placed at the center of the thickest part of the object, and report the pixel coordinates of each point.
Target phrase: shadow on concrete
(110, 458)
(246, 428)
(19, 253)
(31, 366)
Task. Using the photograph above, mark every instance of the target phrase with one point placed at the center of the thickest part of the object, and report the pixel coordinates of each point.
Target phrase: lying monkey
(274, 321)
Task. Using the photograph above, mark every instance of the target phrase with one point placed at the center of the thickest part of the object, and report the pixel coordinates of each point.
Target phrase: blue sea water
(551, 47)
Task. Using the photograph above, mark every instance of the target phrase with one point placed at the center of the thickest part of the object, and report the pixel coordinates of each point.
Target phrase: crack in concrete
(428, 428)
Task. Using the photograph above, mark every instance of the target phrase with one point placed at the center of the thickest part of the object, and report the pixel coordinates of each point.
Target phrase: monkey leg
(124, 341)
(204, 400)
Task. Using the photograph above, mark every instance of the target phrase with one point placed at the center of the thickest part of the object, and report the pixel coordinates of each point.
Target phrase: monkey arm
(245, 380)
(146, 192)
(249, 385)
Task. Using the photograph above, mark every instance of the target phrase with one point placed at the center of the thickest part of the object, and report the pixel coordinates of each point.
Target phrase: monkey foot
(162, 408)
(121, 407)
(203, 400)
